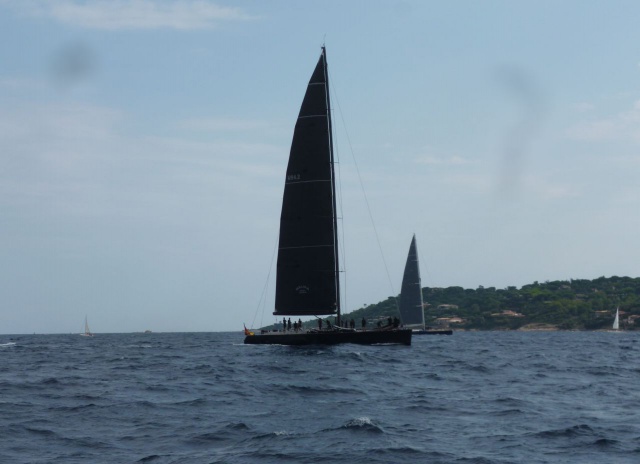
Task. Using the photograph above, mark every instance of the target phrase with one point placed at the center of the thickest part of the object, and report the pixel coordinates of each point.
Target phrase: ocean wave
(362, 424)
(50, 381)
(222, 434)
(605, 442)
(150, 458)
(274, 434)
(476, 460)
(508, 400)
(200, 368)
(313, 389)
(508, 412)
(43, 432)
(68, 409)
(574, 431)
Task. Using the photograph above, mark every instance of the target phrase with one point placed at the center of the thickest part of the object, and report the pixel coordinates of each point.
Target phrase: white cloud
(80, 159)
(442, 160)
(595, 130)
(12, 84)
(584, 107)
(550, 191)
(474, 182)
(623, 126)
(131, 14)
(223, 125)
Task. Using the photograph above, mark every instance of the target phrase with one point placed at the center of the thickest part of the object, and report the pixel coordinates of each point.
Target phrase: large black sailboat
(411, 304)
(307, 281)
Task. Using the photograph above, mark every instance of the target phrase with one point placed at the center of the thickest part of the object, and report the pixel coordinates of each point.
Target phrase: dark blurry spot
(529, 98)
(73, 64)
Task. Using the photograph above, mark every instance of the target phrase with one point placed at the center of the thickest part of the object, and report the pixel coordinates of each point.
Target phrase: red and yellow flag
(247, 331)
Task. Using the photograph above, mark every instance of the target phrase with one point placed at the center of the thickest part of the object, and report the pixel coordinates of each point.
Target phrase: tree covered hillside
(564, 304)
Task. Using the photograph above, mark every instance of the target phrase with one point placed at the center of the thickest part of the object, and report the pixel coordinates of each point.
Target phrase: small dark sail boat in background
(411, 304)
(307, 281)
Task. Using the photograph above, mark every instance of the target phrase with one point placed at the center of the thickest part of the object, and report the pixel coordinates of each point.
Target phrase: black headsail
(307, 281)
(411, 311)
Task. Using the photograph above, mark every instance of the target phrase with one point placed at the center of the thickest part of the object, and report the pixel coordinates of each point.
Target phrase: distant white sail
(87, 332)
(616, 321)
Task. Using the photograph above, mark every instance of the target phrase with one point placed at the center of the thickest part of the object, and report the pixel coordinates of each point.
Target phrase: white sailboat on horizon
(616, 321)
(87, 331)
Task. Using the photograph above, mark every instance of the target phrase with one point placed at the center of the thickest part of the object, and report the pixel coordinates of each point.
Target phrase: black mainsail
(411, 305)
(307, 281)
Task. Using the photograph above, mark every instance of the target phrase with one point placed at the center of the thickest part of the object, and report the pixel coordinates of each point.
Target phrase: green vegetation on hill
(564, 304)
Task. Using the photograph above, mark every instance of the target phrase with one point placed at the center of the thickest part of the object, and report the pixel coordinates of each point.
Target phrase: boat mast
(333, 187)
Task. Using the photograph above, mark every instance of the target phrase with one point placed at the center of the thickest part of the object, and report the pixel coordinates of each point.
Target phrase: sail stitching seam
(307, 181)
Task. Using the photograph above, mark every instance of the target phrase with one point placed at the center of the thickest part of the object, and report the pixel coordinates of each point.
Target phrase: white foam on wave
(360, 421)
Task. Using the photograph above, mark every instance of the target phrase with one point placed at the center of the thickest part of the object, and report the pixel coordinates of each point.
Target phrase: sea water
(473, 397)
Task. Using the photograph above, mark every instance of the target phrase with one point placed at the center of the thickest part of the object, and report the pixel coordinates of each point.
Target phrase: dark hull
(433, 332)
(367, 337)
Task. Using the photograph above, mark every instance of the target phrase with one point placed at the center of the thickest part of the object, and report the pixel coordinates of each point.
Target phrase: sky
(143, 148)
